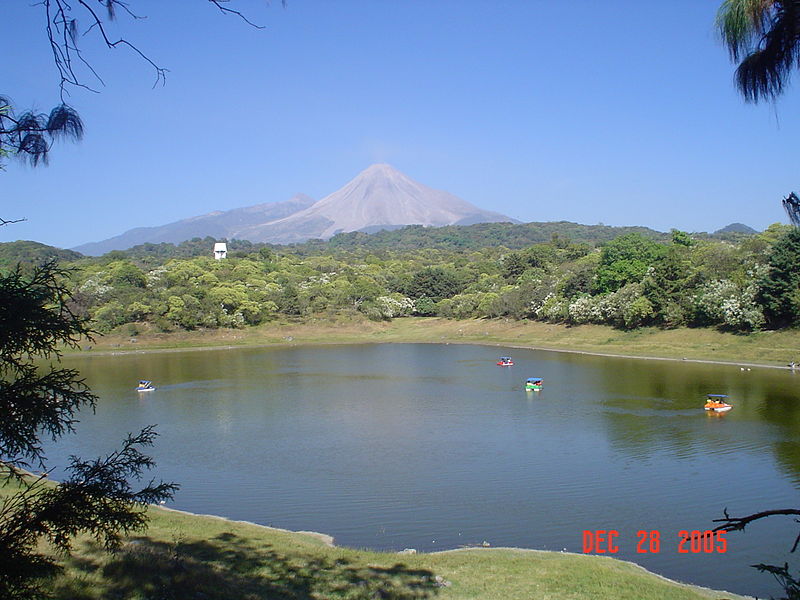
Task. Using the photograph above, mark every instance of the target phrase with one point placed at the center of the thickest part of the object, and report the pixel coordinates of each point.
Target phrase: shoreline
(515, 345)
(326, 542)
(326, 539)
(686, 359)
(329, 542)
(619, 560)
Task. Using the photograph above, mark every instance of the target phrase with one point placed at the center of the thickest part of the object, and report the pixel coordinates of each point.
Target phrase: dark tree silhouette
(39, 398)
(763, 36)
(787, 581)
(30, 135)
(68, 20)
(791, 205)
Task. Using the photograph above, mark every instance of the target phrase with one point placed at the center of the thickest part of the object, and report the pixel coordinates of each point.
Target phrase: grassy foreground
(773, 348)
(191, 556)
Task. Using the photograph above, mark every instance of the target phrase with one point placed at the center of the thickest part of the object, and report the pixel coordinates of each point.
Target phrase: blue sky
(619, 112)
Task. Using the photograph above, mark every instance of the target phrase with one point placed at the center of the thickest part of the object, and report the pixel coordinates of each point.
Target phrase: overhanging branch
(739, 523)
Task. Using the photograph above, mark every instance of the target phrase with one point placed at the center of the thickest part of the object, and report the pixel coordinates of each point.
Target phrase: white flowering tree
(723, 302)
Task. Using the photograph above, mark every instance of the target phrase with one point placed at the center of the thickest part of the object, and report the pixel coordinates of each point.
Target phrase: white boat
(145, 386)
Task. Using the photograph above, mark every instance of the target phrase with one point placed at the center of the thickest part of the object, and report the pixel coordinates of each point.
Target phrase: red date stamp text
(607, 541)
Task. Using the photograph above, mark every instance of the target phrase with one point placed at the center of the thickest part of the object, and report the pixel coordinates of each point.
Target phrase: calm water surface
(433, 447)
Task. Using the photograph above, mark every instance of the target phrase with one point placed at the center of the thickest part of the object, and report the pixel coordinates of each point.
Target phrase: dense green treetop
(571, 238)
(625, 260)
(32, 253)
(780, 287)
(481, 235)
(629, 281)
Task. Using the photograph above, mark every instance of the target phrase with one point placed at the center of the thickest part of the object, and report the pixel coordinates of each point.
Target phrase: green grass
(190, 556)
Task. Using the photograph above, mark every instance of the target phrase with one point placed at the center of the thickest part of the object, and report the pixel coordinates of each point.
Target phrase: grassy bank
(767, 348)
(189, 556)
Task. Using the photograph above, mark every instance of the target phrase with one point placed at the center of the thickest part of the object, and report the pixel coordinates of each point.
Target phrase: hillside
(28, 252)
(413, 237)
(736, 228)
(485, 235)
(217, 224)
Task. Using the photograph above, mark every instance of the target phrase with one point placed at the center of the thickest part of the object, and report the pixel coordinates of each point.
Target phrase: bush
(625, 260)
(724, 303)
(585, 309)
(626, 308)
(110, 316)
(425, 307)
(554, 309)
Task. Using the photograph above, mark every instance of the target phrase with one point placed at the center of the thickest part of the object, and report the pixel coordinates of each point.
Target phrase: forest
(636, 278)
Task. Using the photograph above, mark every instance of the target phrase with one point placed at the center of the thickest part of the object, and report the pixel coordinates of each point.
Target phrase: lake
(394, 446)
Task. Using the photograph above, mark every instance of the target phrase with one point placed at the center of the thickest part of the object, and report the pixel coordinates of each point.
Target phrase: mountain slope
(476, 237)
(34, 253)
(218, 224)
(736, 228)
(378, 197)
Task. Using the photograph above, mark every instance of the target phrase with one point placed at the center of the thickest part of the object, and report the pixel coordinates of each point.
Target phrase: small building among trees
(220, 250)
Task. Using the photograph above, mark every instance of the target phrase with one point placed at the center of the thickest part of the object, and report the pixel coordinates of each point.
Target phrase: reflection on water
(433, 447)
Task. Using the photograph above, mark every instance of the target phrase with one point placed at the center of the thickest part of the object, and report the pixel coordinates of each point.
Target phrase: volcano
(380, 197)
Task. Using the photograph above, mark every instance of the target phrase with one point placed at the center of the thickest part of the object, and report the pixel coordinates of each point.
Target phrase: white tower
(220, 250)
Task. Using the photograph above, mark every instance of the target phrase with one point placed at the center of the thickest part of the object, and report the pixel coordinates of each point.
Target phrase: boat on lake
(145, 386)
(716, 403)
(533, 383)
(505, 361)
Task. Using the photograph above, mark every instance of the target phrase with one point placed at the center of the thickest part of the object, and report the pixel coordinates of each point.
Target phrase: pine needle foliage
(40, 398)
(763, 36)
(30, 135)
